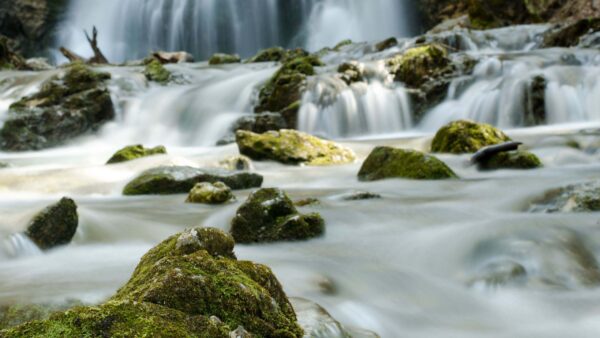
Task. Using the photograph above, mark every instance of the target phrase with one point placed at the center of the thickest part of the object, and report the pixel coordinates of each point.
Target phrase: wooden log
(487, 152)
(70, 55)
(99, 57)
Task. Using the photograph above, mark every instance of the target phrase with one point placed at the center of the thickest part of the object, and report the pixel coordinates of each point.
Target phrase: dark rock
(54, 226)
(351, 72)
(10, 59)
(570, 35)
(256, 123)
(386, 44)
(222, 59)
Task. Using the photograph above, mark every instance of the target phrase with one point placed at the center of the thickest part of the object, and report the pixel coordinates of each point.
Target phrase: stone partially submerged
(222, 59)
(292, 147)
(155, 71)
(54, 226)
(134, 152)
(210, 193)
(180, 180)
(584, 197)
(190, 285)
(461, 137)
(269, 215)
(387, 162)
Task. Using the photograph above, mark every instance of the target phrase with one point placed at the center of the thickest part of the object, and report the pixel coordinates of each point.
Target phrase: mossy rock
(210, 193)
(9, 59)
(269, 215)
(17, 314)
(342, 44)
(272, 54)
(511, 160)
(461, 137)
(415, 66)
(155, 71)
(180, 180)
(68, 105)
(134, 152)
(292, 147)
(222, 59)
(387, 162)
(584, 197)
(386, 44)
(570, 35)
(351, 72)
(55, 225)
(237, 162)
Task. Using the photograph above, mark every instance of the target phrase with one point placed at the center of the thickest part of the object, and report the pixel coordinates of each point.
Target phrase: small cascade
(19, 245)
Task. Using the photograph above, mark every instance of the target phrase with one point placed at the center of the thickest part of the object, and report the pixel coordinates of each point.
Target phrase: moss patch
(134, 152)
(415, 66)
(460, 137)
(155, 71)
(221, 59)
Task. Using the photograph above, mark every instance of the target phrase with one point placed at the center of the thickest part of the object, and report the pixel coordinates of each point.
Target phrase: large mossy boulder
(210, 193)
(269, 215)
(55, 225)
(292, 147)
(155, 71)
(387, 162)
(134, 152)
(190, 285)
(463, 136)
(180, 180)
(222, 59)
(415, 66)
(68, 105)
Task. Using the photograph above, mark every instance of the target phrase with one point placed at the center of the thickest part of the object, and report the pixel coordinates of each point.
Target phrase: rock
(156, 72)
(511, 160)
(535, 102)
(584, 197)
(360, 196)
(307, 202)
(460, 137)
(10, 59)
(286, 86)
(269, 215)
(256, 123)
(342, 44)
(180, 180)
(210, 193)
(134, 152)
(54, 226)
(417, 64)
(190, 285)
(451, 24)
(292, 147)
(221, 59)
(68, 105)
(570, 35)
(500, 274)
(268, 55)
(387, 162)
(38, 64)
(386, 44)
(17, 314)
(352, 72)
(173, 57)
(238, 162)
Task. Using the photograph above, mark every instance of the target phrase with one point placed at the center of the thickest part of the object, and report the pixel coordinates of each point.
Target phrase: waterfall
(133, 28)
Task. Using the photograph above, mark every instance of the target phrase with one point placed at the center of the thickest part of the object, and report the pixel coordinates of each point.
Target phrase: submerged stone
(292, 147)
(460, 137)
(210, 193)
(54, 226)
(584, 197)
(155, 71)
(221, 59)
(179, 180)
(134, 152)
(270, 215)
(387, 162)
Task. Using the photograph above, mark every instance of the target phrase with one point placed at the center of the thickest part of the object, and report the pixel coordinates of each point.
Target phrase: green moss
(16, 314)
(268, 55)
(387, 162)
(269, 215)
(55, 225)
(292, 147)
(210, 193)
(511, 160)
(156, 72)
(134, 152)
(221, 59)
(342, 44)
(415, 66)
(460, 137)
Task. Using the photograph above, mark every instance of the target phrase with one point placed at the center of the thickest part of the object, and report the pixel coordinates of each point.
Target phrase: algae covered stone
(387, 162)
(56, 225)
(417, 64)
(583, 197)
(210, 193)
(155, 71)
(180, 179)
(460, 137)
(134, 152)
(221, 59)
(511, 160)
(268, 55)
(292, 147)
(270, 215)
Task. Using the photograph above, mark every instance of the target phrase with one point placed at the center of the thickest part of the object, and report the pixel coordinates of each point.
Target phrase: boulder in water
(386, 44)
(134, 152)
(269, 215)
(351, 72)
(417, 64)
(460, 137)
(210, 193)
(511, 160)
(256, 123)
(179, 180)
(10, 59)
(292, 147)
(272, 54)
(222, 59)
(173, 57)
(190, 285)
(238, 162)
(54, 226)
(584, 197)
(387, 162)
(68, 105)
(156, 72)
(570, 35)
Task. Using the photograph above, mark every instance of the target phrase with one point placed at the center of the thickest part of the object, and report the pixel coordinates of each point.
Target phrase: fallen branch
(98, 57)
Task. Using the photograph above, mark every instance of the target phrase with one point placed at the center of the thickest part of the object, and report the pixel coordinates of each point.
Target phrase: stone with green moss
(583, 197)
(461, 137)
(292, 147)
(17, 314)
(221, 59)
(55, 225)
(511, 160)
(342, 44)
(386, 44)
(351, 72)
(9, 59)
(415, 66)
(180, 180)
(134, 152)
(387, 162)
(269, 215)
(155, 71)
(268, 55)
(210, 193)
(72, 103)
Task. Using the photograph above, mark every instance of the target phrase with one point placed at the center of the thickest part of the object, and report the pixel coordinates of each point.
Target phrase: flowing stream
(419, 262)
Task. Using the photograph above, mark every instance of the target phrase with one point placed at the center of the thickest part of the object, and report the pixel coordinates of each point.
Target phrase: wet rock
(238, 162)
(134, 152)
(68, 105)
(54, 226)
(351, 72)
(361, 196)
(342, 44)
(173, 57)
(417, 64)
(451, 24)
(465, 136)
(387, 162)
(386, 44)
(511, 160)
(584, 197)
(500, 274)
(570, 35)
(268, 55)
(221, 59)
(210, 193)
(535, 102)
(38, 64)
(307, 202)
(256, 123)
(10, 59)
(179, 180)
(292, 147)
(156, 72)
(190, 285)
(269, 215)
